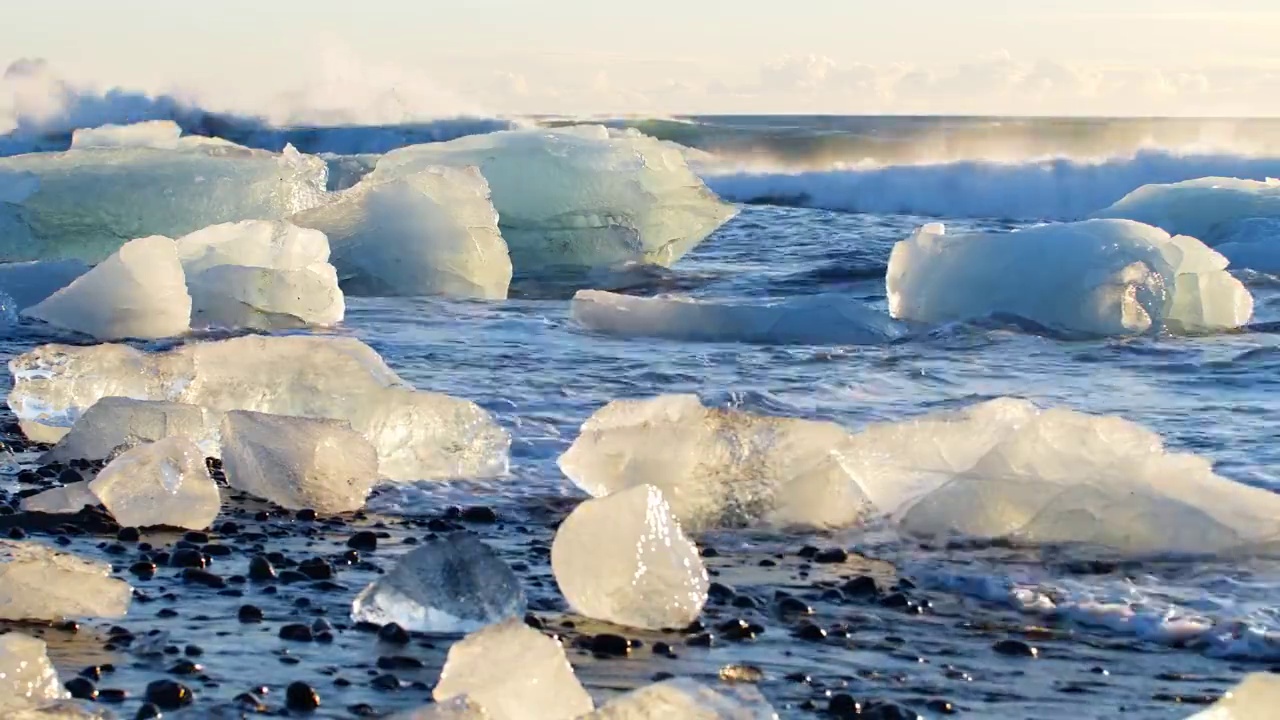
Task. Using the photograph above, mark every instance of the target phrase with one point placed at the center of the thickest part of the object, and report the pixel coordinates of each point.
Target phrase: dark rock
(296, 633)
(81, 688)
(1015, 648)
(169, 695)
(301, 697)
(364, 540)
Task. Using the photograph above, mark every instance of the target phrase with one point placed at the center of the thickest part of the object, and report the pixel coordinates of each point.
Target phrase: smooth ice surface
(717, 468)
(138, 292)
(163, 483)
(817, 319)
(68, 499)
(432, 232)
(624, 559)
(29, 283)
(40, 583)
(1098, 277)
(255, 243)
(580, 196)
(297, 462)
(418, 435)
(27, 678)
(159, 134)
(85, 203)
(1197, 207)
(515, 673)
(113, 424)
(686, 699)
(1252, 243)
(452, 584)
(1257, 697)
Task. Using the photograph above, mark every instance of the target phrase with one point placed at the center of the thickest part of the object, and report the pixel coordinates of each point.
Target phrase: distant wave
(1052, 189)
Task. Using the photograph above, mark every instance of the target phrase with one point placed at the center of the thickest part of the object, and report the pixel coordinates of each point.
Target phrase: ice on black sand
(163, 483)
(40, 583)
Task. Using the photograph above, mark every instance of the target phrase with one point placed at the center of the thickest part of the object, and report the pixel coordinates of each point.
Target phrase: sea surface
(824, 201)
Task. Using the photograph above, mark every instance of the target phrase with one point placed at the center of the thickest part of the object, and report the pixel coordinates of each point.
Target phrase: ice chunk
(159, 134)
(276, 244)
(1195, 207)
(1255, 698)
(686, 699)
(68, 499)
(1253, 243)
(40, 583)
(717, 468)
(460, 708)
(164, 483)
(114, 424)
(624, 559)
(1098, 277)
(29, 283)
(579, 196)
(515, 673)
(27, 678)
(452, 584)
(418, 435)
(84, 203)
(139, 292)
(298, 462)
(433, 232)
(815, 319)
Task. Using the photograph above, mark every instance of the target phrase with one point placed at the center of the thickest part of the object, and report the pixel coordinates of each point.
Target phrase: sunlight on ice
(40, 583)
(686, 699)
(1257, 697)
(162, 483)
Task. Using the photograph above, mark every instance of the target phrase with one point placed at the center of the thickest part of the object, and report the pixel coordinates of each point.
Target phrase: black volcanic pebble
(301, 697)
(399, 662)
(861, 586)
(942, 707)
(809, 631)
(479, 514)
(261, 569)
(612, 645)
(1015, 648)
(169, 695)
(296, 633)
(81, 688)
(188, 558)
(250, 614)
(842, 705)
(386, 682)
(306, 515)
(203, 577)
(363, 540)
(185, 667)
(316, 569)
(393, 633)
(148, 711)
(128, 534)
(144, 570)
(831, 555)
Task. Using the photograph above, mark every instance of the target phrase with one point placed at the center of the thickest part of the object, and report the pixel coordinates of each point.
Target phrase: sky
(400, 60)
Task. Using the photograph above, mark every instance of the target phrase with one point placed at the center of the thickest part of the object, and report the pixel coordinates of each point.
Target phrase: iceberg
(808, 320)
(1097, 277)
(158, 134)
(298, 463)
(686, 699)
(1197, 207)
(114, 424)
(624, 559)
(718, 468)
(29, 283)
(27, 678)
(275, 244)
(579, 196)
(515, 673)
(138, 292)
(86, 202)
(432, 232)
(1254, 698)
(460, 708)
(1252, 243)
(165, 483)
(452, 584)
(40, 583)
(418, 435)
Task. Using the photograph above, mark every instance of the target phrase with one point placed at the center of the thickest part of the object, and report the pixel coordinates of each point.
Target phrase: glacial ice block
(86, 202)
(717, 468)
(431, 232)
(817, 319)
(515, 673)
(1197, 207)
(138, 292)
(158, 134)
(27, 677)
(1252, 243)
(30, 283)
(452, 584)
(163, 483)
(275, 244)
(459, 708)
(1254, 698)
(580, 196)
(418, 435)
(624, 559)
(686, 699)
(114, 424)
(297, 462)
(40, 583)
(66, 500)
(1098, 277)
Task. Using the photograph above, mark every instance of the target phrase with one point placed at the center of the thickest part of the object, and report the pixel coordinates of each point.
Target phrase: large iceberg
(686, 699)
(418, 435)
(29, 283)
(88, 201)
(717, 468)
(114, 424)
(40, 583)
(1098, 277)
(815, 319)
(432, 232)
(1198, 207)
(138, 292)
(580, 196)
(163, 483)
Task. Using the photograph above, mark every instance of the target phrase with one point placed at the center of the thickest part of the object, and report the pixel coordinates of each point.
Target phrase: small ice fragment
(1255, 698)
(114, 424)
(686, 699)
(452, 584)
(27, 678)
(297, 462)
(624, 559)
(515, 673)
(65, 500)
(40, 583)
(459, 708)
(164, 483)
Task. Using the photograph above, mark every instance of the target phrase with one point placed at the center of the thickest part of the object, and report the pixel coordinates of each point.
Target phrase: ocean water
(824, 200)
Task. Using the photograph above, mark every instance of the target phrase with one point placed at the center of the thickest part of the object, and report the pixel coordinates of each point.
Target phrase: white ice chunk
(158, 134)
(1252, 243)
(84, 203)
(29, 283)
(276, 244)
(68, 499)
(816, 319)
(40, 583)
(1195, 207)
(1255, 698)
(114, 424)
(686, 699)
(164, 483)
(451, 584)
(1098, 277)
(433, 232)
(459, 708)
(515, 673)
(418, 435)
(717, 468)
(139, 292)
(27, 678)
(580, 196)
(297, 462)
(624, 559)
